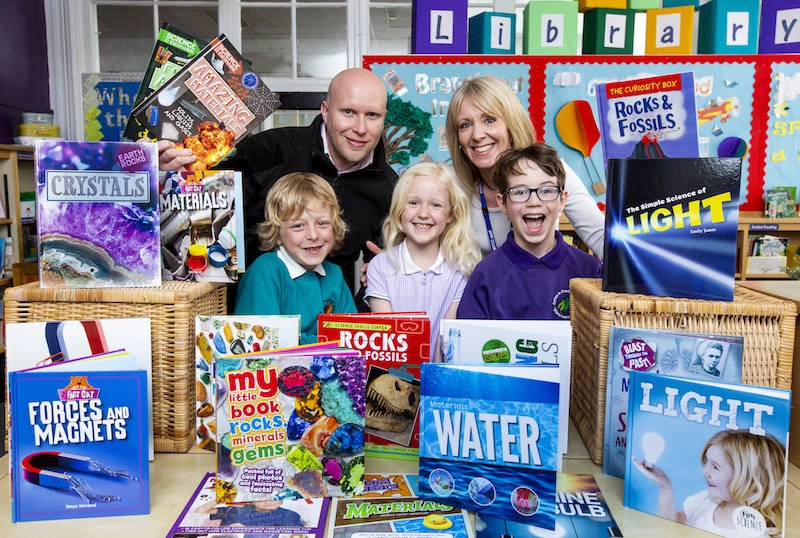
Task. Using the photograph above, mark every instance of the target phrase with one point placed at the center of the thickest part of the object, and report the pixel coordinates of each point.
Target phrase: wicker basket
(766, 323)
(171, 309)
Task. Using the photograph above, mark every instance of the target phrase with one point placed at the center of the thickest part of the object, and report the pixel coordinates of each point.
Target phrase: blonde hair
(494, 97)
(759, 472)
(457, 243)
(289, 197)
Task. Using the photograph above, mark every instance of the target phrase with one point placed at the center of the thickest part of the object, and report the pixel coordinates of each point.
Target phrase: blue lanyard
(485, 210)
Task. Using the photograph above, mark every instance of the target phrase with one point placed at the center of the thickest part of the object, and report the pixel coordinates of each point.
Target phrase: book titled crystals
(648, 118)
(210, 105)
(489, 440)
(707, 454)
(671, 227)
(98, 214)
(79, 444)
(290, 426)
(701, 356)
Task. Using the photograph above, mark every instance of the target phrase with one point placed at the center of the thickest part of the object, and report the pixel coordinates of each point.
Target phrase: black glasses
(548, 193)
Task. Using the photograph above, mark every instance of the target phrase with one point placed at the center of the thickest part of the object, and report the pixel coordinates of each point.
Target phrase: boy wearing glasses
(528, 277)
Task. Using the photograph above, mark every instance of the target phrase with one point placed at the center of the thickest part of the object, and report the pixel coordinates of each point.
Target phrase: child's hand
(170, 158)
(653, 473)
(375, 249)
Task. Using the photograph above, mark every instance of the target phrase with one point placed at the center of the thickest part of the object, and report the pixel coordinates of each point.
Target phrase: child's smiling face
(718, 474)
(426, 212)
(308, 238)
(534, 221)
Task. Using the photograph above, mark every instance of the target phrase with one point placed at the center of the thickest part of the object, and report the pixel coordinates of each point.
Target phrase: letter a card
(494, 451)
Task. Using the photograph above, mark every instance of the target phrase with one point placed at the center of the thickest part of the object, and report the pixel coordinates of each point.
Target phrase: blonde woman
(485, 119)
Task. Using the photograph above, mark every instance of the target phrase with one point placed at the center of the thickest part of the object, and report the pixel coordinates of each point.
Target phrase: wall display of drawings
(745, 106)
(107, 103)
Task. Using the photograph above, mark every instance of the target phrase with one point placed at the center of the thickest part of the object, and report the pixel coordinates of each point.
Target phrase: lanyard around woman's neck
(485, 210)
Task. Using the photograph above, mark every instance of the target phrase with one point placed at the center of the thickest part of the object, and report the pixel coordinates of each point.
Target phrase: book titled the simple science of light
(489, 440)
(671, 227)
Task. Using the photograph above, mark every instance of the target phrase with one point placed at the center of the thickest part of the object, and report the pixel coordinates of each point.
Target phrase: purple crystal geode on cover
(98, 214)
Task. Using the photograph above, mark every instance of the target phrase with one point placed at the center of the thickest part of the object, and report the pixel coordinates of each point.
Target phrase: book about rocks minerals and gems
(489, 440)
(671, 227)
(395, 345)
(648, 118)
(581, 512)
(290, 426)
(218, 336)
(79, 444)
(202, 225)
(204, 517)
(210, 105)
(97, 214)
(692, 355)
(390, 506)
(707, 454)
(173, 50)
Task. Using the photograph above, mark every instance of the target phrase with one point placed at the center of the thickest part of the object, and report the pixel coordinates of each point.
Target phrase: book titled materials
(648, 118)
(218, 336)
(671, 227)
(210, 105)
(390, 506)
(581, 512)
(700, 356)
(202, 225)
(174, 48)
(707, 454)
(79, 444)
(98, 214)
(489, 441)
(395, 345)
(290, 427)
(203, 516)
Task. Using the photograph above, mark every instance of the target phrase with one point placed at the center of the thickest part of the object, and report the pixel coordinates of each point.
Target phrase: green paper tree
(404, 133)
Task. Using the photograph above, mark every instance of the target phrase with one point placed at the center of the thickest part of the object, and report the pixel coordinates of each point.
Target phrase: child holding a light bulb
(741, 469)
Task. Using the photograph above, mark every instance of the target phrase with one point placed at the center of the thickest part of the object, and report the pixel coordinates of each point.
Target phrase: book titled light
(665, 218)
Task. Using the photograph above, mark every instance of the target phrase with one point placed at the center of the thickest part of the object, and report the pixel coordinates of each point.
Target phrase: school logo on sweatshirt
(561, 304)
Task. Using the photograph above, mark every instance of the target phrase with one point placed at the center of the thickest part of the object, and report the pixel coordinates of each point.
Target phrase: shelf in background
(6, 281)
(6, 221)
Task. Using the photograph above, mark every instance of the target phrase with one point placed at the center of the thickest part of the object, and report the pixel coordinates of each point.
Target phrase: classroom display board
(745, 106)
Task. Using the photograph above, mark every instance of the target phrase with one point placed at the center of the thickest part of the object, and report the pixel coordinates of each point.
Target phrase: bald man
(343, 145)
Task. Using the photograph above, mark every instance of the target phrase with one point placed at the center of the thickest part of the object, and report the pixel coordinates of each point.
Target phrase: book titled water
(390, 506)
(489, 441)
(648, 118)
(707, 454)
(671, 227)
(79, 444)
(98, 214)
(290, 427)
(202, 225)
(581, 512)
(700, 356)
(395, 345)
(204, 517)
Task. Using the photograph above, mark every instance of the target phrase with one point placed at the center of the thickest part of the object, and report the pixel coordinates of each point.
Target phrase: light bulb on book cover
(653, 446)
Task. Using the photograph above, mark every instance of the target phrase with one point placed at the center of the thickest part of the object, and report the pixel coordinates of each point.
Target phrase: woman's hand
(171, 159)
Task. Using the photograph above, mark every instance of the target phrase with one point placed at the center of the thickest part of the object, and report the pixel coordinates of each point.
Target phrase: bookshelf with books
(16, 172)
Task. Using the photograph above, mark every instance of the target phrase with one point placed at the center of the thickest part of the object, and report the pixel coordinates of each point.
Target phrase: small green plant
(793, 272)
